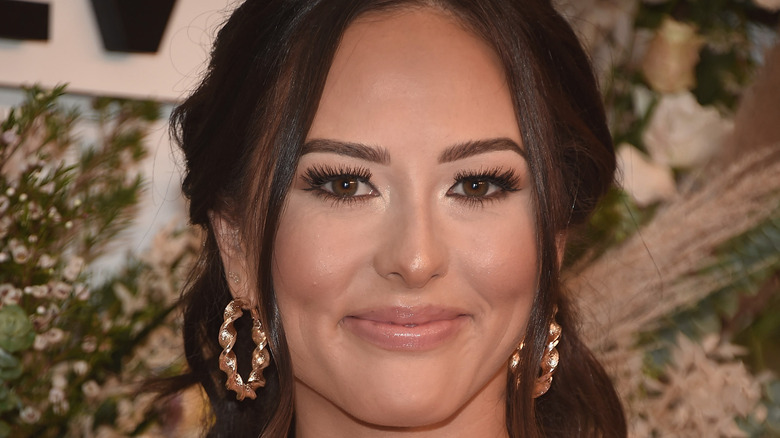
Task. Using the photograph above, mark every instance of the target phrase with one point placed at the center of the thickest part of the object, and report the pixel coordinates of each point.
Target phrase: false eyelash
(506, 180)
(319, 175)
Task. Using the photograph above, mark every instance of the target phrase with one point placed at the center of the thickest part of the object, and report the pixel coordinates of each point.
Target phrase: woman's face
(405, 263)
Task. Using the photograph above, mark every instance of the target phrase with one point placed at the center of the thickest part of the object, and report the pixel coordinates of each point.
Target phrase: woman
(386, 188)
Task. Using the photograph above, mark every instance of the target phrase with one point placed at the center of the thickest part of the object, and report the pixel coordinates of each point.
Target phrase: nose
(414, 248)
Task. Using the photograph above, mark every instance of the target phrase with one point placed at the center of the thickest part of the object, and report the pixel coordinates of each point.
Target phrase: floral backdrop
(677, 275)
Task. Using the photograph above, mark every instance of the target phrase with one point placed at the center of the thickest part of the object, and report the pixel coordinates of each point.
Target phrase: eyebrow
(382, 156)
(355, 150)
(476, 147)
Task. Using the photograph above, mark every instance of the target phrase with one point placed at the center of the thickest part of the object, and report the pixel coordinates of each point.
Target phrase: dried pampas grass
(660, 269)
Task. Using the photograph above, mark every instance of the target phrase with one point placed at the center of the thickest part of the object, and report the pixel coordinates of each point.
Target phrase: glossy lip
(406, 328)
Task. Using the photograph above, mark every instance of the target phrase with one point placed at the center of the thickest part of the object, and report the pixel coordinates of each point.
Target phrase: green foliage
(16, 331)
(66, 346)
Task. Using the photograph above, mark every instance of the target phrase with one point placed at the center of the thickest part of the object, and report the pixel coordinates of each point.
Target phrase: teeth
(410, 325)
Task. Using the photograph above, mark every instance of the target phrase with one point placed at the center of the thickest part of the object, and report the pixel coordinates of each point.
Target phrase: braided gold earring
(227, 359)
(550, 360)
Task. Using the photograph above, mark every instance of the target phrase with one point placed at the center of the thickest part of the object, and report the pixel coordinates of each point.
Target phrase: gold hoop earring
(550, 360)
(227, 359)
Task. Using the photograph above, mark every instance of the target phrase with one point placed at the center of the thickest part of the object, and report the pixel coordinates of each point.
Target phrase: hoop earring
(550, 360)
(227, 359)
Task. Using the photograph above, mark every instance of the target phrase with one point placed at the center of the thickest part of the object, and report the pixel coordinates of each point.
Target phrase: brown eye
(344, 187)
(475, 188)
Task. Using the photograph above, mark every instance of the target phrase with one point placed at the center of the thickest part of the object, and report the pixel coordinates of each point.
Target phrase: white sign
(74, 53)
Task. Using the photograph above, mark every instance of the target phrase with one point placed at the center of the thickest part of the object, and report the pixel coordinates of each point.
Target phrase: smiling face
(405, 262)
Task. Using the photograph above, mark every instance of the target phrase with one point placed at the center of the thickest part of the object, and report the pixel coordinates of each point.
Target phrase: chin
(406, 415)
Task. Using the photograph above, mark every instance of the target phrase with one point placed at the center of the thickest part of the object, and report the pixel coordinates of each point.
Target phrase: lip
(406, 329)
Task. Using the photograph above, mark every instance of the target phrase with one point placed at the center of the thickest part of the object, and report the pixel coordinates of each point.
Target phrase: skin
(407, 86)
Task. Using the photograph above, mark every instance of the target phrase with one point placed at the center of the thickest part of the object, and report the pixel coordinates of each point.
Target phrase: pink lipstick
(405, 328)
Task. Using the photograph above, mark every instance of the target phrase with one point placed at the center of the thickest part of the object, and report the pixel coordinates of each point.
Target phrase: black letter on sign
(24, 20)
(132, 25)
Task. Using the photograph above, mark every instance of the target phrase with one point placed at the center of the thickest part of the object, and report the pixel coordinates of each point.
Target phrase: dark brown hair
(242, 130)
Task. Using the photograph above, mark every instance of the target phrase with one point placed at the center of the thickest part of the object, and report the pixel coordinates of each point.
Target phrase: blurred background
(677, 275)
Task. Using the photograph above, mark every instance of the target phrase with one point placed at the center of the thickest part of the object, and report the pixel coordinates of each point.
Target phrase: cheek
(501, 260)
(314, 261)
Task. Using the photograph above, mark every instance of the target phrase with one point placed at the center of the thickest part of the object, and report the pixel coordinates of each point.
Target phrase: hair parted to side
(242, 130)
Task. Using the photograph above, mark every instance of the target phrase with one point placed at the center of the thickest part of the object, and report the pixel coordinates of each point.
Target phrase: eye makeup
(339, 184)
(478, 187)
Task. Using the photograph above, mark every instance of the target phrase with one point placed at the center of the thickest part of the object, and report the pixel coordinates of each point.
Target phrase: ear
(233, 253)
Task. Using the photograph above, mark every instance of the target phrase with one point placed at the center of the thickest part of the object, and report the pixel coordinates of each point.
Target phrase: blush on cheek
(503, 266)
(311, 264)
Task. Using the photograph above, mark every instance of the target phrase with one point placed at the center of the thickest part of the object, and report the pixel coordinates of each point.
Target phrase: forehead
(415, 75)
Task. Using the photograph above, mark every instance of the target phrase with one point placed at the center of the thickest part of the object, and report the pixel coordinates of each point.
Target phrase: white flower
(19, 252)
(61, 407)
(91, 389)
(683, 134)
(56, 395)
(73, 269)
(14, 296)
(40, 343)
(80, 367)
(9, 294)
(46, 261)
(36, 212)
(59, 381)
(772, 5)
(4, 203)
(3, 257)
(700, 393)
(646, 182)
(30, 415)
(54, 336)
(88, 344)
(38, 291)
(60, 290)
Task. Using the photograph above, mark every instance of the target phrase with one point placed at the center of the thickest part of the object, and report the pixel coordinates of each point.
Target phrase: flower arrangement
(680, 273)
(71, 350)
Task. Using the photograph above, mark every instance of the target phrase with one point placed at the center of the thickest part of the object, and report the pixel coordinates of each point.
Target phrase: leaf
(8, 399)
(16, 330)
(10, 367)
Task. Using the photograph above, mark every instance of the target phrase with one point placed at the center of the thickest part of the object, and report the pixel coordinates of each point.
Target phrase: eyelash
(316, 177)
(506, 181)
